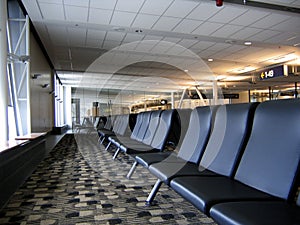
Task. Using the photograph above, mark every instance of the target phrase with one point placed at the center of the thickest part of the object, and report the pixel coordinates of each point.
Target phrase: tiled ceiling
(123, 36)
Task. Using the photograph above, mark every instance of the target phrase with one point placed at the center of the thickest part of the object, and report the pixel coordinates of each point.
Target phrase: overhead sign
(277, 71)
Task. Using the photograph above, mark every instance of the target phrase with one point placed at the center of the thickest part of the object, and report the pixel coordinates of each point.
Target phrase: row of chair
(239, 164)
(153, 131)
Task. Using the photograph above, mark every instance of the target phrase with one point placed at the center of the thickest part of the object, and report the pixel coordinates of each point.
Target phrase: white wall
(41, 101)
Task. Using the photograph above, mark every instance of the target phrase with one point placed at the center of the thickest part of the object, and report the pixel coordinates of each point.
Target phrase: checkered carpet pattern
(79, 183)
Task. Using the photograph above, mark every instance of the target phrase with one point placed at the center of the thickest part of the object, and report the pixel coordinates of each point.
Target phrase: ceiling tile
(286, 25)
(50, 1)
(94, 43)
(187, 43)
(114, 36)
(96, 34)
(287, 38)
(152, 37)
(227, 14)
(155, 7)
(57, 35)
(204, 11)
(187, 26)
(57, 31)
(245, 33)
(219, 47)
(176, 50)
(270, 20)
(207, 28)
(52, 11)
(75, 13)
(166, 23)
(202, 45)
(103, 4)
(264, 35)
(82, 3)
(159, 49)
(235, 48)
(110, 44)
(171, 39)
(129, 6)
(77, 36)
(79, 32)
(180, 8)
(131, 37)
(100, 16)
(122, 18)
(249, 17)
(144, 21)
(226, 31)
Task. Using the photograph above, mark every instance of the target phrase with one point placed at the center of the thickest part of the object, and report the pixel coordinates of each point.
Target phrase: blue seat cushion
(256, 213)
(204, 192)
(165, 171)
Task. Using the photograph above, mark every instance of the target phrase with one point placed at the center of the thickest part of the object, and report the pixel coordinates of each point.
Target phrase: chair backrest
(117, 123)
(108, 124)
(270, 162)
(165, 124)
(197, 134)
(152, 127)
(137, 126)
(144, 126)
(96, 122)
(179, 127)
(124, 125)
(230, 133)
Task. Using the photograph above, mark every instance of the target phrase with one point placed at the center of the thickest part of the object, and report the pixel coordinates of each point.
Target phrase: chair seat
(137, 148)
(256, 213)
(165, 171)
(147, 159)
(204, 192)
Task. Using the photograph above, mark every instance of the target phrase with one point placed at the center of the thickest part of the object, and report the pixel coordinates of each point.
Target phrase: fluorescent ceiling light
(242, 69)
(282, 58)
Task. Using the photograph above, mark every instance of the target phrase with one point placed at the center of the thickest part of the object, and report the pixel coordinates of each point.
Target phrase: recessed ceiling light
(230, 41)
(186, 71)
(248, 43)
(119, 29)
(210, 60)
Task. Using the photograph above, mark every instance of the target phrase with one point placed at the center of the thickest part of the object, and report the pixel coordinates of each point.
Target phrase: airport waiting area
(229, 164)
(150, 112)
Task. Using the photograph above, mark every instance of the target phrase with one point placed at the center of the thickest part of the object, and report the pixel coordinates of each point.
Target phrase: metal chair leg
(132, 170)
(108, 146)
(153, 192)
(116, 153)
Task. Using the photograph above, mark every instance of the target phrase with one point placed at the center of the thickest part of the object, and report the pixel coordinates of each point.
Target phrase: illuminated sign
(277, 71)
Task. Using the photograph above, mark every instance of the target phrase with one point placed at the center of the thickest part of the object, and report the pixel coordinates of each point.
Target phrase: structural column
(3, 72)
(215, 92)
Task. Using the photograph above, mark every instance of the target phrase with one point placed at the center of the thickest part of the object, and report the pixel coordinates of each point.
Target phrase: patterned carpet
(79, 183)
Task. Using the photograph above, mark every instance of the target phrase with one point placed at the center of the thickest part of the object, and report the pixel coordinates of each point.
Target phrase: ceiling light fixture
(210, 60)
(283, 58)
(138, 31)
(119, 29)
(247, 43)
(242, 69)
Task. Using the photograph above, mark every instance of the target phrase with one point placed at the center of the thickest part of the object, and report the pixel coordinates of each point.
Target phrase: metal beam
(3, 72)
